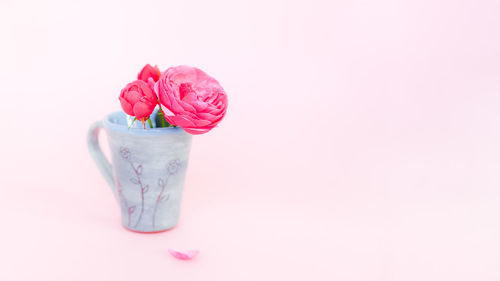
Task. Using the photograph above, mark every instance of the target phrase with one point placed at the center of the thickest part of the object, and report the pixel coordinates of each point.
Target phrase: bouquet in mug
(147, 168)
(186, 97)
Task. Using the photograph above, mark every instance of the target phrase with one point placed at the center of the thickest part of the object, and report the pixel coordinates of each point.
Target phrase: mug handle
(99, 158)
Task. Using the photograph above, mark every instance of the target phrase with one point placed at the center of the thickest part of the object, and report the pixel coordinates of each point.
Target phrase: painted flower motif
(173, 166)
(191, 99)
(125, 153)
(137, 99)
(149, 74)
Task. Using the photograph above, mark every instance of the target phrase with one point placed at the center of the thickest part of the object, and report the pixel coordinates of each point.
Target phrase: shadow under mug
(147, 171)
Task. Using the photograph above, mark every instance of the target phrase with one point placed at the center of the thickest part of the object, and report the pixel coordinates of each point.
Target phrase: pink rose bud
(149, 74)
(137, 99)
(191, 99)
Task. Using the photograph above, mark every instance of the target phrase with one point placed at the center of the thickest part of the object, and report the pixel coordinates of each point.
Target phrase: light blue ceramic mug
(147, 171)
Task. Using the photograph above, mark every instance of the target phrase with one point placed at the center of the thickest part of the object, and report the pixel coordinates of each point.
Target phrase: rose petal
(143, 109)
(151, 83)
(199, 105)
(126, 106)
(181, 121)
(189, 97)
(187, 106)
(175, 107)
(187, 255)
(207, 116)
(196, 131)
(169, 120)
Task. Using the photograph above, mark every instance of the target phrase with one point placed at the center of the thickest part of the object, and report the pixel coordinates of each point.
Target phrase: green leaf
(160, 120)
(133, 121)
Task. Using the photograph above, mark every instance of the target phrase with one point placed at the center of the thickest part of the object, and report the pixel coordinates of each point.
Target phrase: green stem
(133, 121)
(160, 120)
(150, 123)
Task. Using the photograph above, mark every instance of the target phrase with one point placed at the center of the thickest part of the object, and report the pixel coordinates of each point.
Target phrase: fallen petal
(187, 255)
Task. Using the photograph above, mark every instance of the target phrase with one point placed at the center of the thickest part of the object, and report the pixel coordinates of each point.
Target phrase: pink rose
(137, 99)
(191, 99)
(149, 74)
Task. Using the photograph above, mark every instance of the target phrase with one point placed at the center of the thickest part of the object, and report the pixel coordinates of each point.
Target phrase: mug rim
(108, 124)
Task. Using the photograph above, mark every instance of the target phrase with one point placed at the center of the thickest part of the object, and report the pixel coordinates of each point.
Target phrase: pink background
(362, 140)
